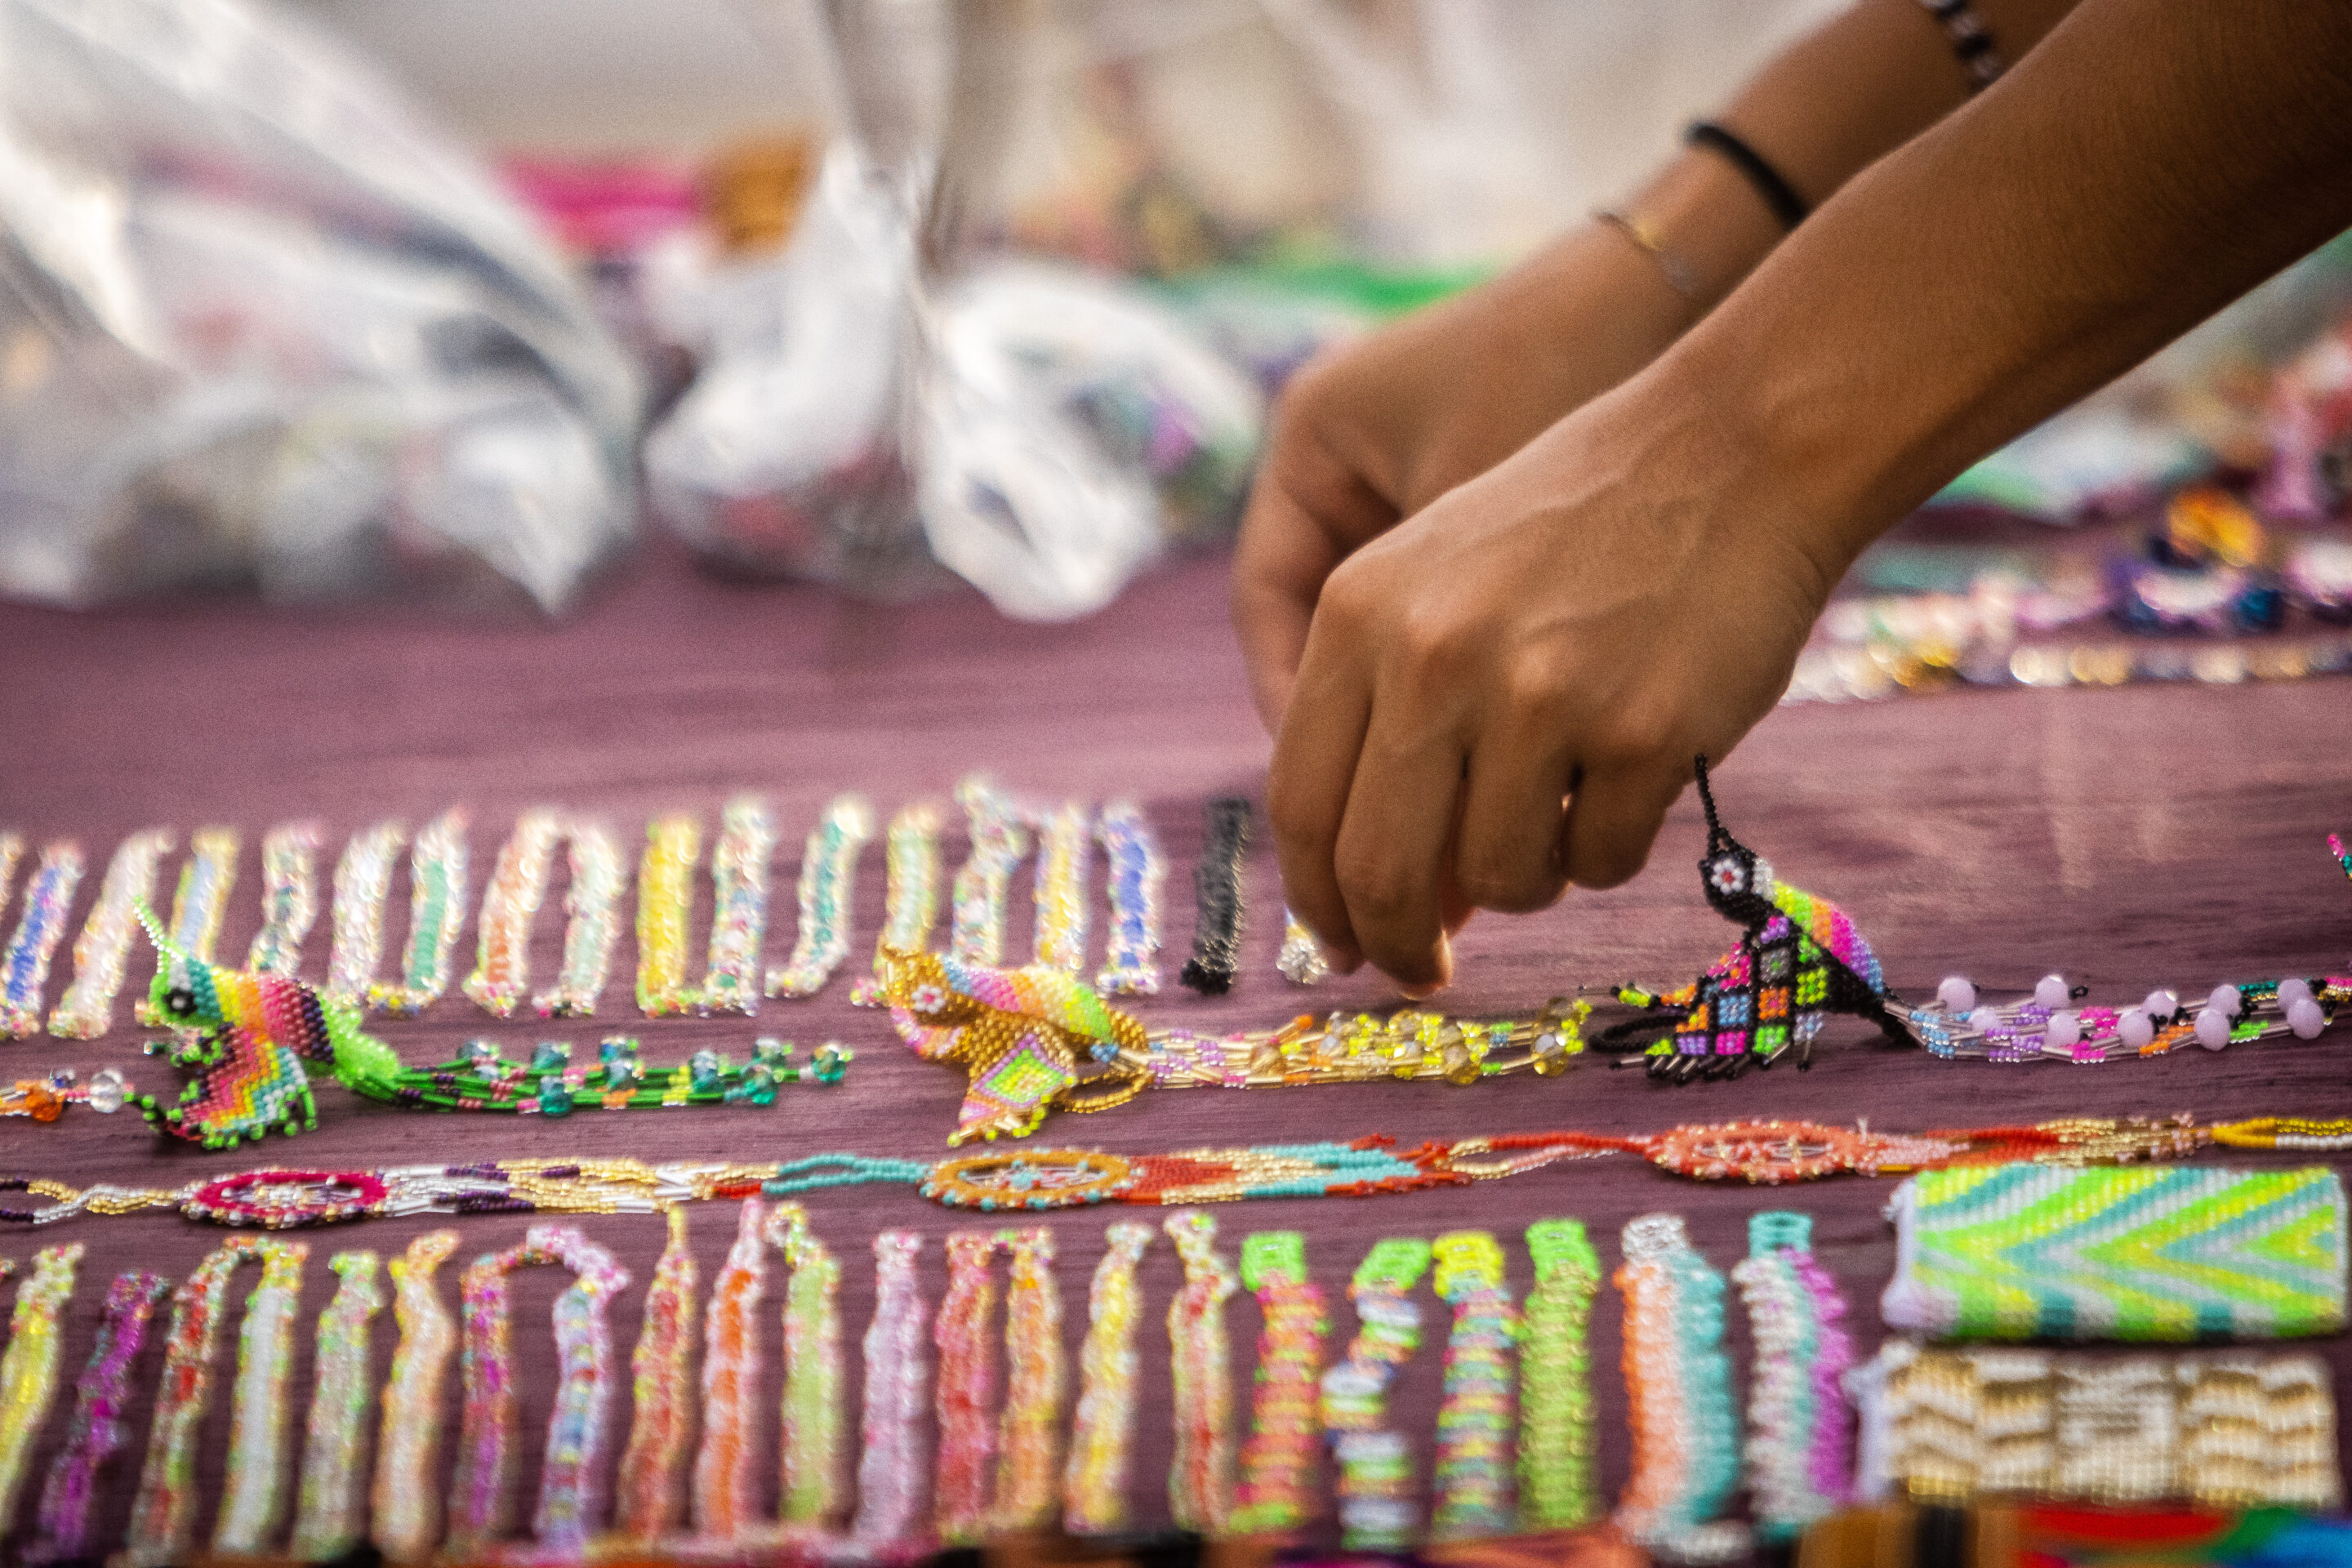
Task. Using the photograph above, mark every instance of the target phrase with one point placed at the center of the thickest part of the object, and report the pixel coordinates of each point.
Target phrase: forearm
(2149, 162)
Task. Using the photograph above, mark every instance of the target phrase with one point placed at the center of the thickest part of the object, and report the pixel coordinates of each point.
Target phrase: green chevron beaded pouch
(2025, 1251)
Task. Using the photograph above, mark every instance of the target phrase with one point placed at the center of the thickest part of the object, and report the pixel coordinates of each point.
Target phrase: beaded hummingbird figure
(245, 1037)
(1798, 960)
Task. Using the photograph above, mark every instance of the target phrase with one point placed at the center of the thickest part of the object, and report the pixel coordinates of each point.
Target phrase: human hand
(1501, 696)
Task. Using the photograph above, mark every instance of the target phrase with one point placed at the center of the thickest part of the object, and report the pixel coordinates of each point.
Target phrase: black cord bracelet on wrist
(1778, 193)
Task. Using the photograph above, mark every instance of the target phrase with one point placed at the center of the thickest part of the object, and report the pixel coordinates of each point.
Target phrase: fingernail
(1421, 993)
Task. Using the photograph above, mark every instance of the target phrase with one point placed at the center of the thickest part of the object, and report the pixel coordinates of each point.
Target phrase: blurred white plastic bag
(260, 326)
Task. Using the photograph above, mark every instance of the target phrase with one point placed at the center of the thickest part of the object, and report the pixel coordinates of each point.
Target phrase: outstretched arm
(1503, 694)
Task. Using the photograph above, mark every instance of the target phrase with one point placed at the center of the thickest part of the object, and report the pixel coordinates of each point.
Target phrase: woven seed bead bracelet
(101, 954)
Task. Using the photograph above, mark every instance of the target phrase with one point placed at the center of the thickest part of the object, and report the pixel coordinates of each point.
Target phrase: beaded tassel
(723, 1492)
(664, 898)
(1480, 1406)
(1799, 1427)
(1095, 1487)
(1200, 1483)
(25, 965)
(890, 1470)
(362, 888)
(739, 907)
(97, 1431)
(327, 1518)
(967, 1388)
(1557, 1443)
(28, 1369)
(198, 908)
(912, 895)
(1678, 1382)
(1301, 960)
(290, 897)
(256, 1490)
(593, 923)
(101, 954)
(999, 842)
(828, 896)
(812, 1375)
(1059, 895)
(1138, 872)
(647, 1500)
(1026, 1455)
(1277, 1464)
(436, 912)
(407, 1510)
(1217, 894)
(511, 900)
(1376, 1511)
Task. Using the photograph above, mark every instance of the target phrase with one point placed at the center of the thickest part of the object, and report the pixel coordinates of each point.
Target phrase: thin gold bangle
(1677, 271)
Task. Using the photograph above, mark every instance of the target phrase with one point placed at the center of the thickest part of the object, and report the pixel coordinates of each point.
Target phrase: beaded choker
(1679, 1383)
(1556, 1442)
(101, 954)
(98, 1430)
(1095, 1481)
(1279, 1463)
(1797, 1413)
(1375, 1481)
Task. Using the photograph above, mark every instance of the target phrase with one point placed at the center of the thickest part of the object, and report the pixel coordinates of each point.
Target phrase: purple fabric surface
(2127, 838)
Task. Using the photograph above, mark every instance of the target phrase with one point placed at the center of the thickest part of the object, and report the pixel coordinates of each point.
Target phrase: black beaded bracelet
(1778, 193)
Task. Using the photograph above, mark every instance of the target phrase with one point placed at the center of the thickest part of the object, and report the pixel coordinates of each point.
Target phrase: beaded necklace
(363, 887)
(890, 1469)
(1678, 1384)
(436, 912)
(290, 897)
(730, 1374)
(967, 1388)
(828, 896)
(646, 1498)
(327, 1518)
(24, 962)
(1557, 1443)
(255, 1494)
(1375, 1485)
(984, 882)
(198, 908)
(1200, 1482)
(1138, 872)
(591, 909)
(1095, 1481)
(97, 1431)
(406, 1506)
(1277, 1463)
(1065, 843)
(511, 900)
(1479, 1408)
(574, 1467)
(1217, 894)
(812, 1442)
(912, 895)
(1797, 1416)
(1301, 960)
(1027, 1462)
(738, 907)
(28, 1369)
(101, 954)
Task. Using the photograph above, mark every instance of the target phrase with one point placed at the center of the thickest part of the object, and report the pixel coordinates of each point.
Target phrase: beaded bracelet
(646, 1495)
(511, 900)
(966, 1388)
(1064, 842)
(198, 908)
(738, 907)
(1200, 1481)
(12, 851)
(46, 1098)
(290, 897)
(573, 1469)
(406, 1506)
(1479, 1408)
(1678, 1384)
(1301, 960)
(1797, 1416)
(723, 1488)
(362, 888)
(255, 1492)
(24, 962)
(1138, 872)
(890, 1470)
(1217, 893)
(912, 896)
(1556, 1442)
(985, 883)
(97, 1431)
(664, 900)
(828, 897)
(811, 1439)
(1095, 1485)
(28, 1369)
(436, 913)
(1375, 1487)
(591, 910)
(1277, 1463)
(1027, 1458)
(327, 1517)
(101, 954)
